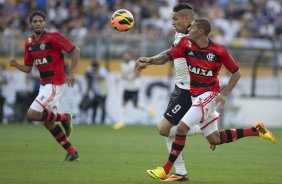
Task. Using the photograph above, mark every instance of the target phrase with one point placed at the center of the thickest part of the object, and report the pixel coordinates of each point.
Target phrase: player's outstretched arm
(24, 68)
(159, 59)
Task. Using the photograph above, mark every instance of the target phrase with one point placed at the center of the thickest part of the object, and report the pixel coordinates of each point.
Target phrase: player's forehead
(37, 18)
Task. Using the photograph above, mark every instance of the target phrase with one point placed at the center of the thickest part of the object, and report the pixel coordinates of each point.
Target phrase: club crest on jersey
(42, 46)
(200, 71)
(210, 56)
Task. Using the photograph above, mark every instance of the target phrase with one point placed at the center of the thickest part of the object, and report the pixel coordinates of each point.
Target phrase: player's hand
(70, 79)
(141, 64)
(13, 62)
(220, 101)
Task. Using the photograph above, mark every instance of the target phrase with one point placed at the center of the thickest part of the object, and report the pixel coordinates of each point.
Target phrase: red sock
(177, 146)
(49, 116)
(61, 138)
(232, 135)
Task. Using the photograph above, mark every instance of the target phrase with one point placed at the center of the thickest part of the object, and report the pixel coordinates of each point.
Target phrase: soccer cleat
(72, 157)
(176, 177)
(68, 125)
(157, 173)
(118, 126)
(264, 133)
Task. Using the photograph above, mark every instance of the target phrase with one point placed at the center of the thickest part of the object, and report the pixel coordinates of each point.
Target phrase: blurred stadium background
(251, 29)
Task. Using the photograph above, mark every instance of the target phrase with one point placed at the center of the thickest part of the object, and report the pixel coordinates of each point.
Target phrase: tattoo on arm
(161, 58)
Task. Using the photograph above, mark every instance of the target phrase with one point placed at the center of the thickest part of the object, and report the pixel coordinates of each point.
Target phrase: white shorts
(203, 113)
(48, 97)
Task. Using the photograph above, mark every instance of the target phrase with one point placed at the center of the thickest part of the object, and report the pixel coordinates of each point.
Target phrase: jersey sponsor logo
(42, 61)
(201, 71)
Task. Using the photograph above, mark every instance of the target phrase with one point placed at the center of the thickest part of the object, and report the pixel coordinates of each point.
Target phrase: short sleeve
(62, 42)
(178, 50)
(228, 61)
(27, 57)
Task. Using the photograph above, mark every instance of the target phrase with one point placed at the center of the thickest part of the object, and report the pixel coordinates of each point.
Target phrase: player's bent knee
(182, 128)
(33, 115)
(163, 132)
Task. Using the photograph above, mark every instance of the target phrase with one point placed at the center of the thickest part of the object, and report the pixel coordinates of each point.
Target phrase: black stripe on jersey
(207, 56)
(39, 47)
(47, 74)
(201, 84)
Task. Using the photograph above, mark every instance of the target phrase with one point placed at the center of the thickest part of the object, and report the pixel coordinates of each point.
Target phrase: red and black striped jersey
(204, 64)
(46, 54)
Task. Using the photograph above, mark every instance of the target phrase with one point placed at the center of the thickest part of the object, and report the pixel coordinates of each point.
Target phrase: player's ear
(201, 31)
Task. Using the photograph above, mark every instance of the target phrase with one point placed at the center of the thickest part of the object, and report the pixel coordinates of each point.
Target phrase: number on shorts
(176, 109)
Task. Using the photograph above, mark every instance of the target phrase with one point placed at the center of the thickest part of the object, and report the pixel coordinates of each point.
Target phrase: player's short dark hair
(36, 13)
(204, 24)
(182, 6)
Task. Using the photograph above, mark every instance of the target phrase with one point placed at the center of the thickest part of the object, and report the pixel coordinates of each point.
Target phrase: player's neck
(203, 42)
(37, 36)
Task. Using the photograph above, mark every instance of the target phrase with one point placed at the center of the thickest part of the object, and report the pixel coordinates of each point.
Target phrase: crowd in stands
(231, 18)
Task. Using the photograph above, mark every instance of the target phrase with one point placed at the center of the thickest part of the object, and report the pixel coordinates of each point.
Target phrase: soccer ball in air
(122, 20)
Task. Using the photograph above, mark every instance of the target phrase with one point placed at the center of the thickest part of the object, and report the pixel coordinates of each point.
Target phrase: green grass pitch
(28, 154)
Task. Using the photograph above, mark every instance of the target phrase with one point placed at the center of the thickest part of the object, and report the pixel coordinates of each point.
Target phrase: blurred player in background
(3, 81)
(44, 50)
(131, 86)
(98, 85)
(205, 59)
(180, 99)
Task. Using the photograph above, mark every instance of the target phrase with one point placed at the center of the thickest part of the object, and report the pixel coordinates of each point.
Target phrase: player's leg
(125, 98)
(94, 106)
(232, 135)
(142, 107)
(209, 128)
(179, 104)
(190, 119)
(103, 108)
(38, 111)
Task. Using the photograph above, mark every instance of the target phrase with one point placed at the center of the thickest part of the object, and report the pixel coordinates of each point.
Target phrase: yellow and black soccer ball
(122, 20)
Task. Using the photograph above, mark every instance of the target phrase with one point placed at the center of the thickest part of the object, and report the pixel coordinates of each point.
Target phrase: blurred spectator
(79, 31)
(236, 18)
